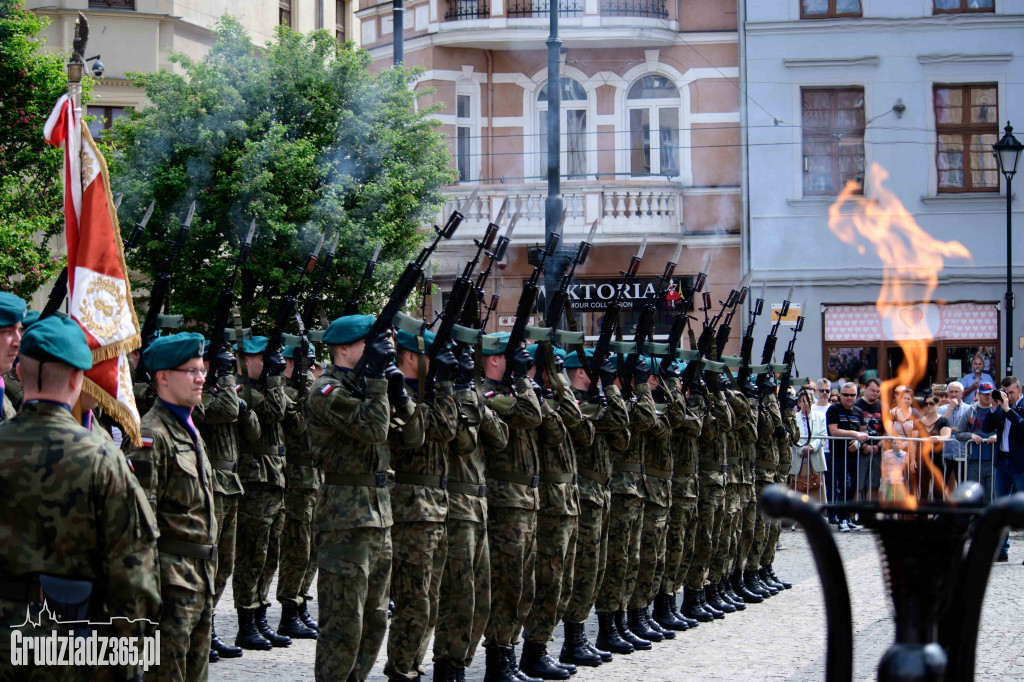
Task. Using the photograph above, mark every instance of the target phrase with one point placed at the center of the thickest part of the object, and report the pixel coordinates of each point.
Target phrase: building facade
(841, 91)
(649, 121)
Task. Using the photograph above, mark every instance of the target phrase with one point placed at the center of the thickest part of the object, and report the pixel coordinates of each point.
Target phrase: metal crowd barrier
(851, 476)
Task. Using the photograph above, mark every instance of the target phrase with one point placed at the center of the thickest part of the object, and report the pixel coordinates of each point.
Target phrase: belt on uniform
(301, 461)
(20, 589)
(513, 477)
(193, 550)
(659, 473)
(630, 466)
(467, 488)
(376, 480)
(686, 470)
(592, 475)
(224, 465)
(767, 464)
(264, 450)
(422, 479)
(558, 478)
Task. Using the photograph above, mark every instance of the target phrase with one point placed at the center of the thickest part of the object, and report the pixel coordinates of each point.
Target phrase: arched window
(652, 104)
(574, 129)
(467, 132)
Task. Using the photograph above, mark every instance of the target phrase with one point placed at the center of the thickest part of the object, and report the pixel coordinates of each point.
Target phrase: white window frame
(471, 89)
(540, 164)
(654, 106)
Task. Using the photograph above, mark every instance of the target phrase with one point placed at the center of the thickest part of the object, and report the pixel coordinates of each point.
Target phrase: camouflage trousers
(352, 586)
(512, 536)
(260, 520)
(465, 601)
(591, 558)
(626, 518)
(682, 526)
(652, 556)
(768, 557)
(748, 519)
(762, 529)
(225, 509)
(710, 517)
(298, 556)
(556, 556)
(185, 623)
(419, 550)
(721, 556)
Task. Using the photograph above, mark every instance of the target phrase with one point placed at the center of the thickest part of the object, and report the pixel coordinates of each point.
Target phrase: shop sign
(594, 295)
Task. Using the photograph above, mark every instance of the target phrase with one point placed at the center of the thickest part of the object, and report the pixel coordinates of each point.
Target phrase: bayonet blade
(561, 220)
(643, 247)
(745, 282)
(117, 201)
(512, 225)
(319, 245)
(148, 214)
(497, 289)
(789, 295)
(464, 206)
(252, 233)
(501, 211)
(679, 252)
(376, 252)
(188, 219)
(764, 290)
(334, 244)
(593, 231)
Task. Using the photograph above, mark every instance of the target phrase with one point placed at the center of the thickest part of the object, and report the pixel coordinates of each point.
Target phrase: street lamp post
(1007, 153)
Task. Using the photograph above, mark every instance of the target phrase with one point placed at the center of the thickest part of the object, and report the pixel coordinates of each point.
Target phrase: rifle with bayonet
(304, 321)
(788, 359)
(736, 299)
(705, 344)
(769, 343)
(675, 333)
(223, 310)
(471, 310)
(747, 345)
(645, 323)
(352, 307)
(161, 285)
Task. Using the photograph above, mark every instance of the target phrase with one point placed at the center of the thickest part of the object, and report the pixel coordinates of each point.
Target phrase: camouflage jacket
(419, 448)
(73, 509)
(178, 481)
(686, 440)
(349, 435)
(743, 437)
(611, 431)
(784, 442)
(219, 422)
(479, 433)
(642, 416)
(714, 436)
(768, 419)
(13, 388)
(262, 458)
(659, 455)
(299, 470)
(8, 409)
(519, 459)
(563, 433)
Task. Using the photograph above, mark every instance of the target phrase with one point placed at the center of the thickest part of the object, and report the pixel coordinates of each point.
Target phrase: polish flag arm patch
(147, 441)
(326, 389)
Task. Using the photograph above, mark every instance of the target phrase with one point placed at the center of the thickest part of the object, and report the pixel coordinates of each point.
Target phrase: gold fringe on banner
(115, 409)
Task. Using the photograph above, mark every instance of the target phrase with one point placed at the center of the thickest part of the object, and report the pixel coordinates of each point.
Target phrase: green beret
(31, 317)
(254, 346)
(348, 329)
(559, 352)
(532, 350)
(572, 360)
(409, 341)
(57, 339)
(12, 309)
(173, 350)
(501, 342)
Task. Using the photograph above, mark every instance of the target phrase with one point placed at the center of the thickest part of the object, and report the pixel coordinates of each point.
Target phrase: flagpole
(76, 69)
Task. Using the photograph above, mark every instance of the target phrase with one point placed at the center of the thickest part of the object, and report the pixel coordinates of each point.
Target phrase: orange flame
(911, 262)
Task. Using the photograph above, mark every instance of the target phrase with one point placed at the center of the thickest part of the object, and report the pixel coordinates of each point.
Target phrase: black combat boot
(575, 649)
(537, 662)
(608, 637)
(443, 671)
(639, 627)
(639, 643)
(725, 589)
(771, 590)
(778, 580)
(663, 616)
(214, 656)
(513, 666)
(223, 650)
(645, 615)
(260, 618)
(741, 589)
(673, 605)
(768, 580)
(715, 601)
(305, 616)
(498, 669)
(692, 607)
(249, 636)
(292, 625)
(606, 656)
(710, 608)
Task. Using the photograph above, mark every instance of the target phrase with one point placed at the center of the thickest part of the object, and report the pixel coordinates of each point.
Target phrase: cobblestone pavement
(781, 639)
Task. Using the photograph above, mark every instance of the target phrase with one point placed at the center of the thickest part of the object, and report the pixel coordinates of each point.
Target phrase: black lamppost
(1007, 155)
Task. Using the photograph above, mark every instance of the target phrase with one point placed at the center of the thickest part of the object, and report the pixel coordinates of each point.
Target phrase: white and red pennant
(99, 293)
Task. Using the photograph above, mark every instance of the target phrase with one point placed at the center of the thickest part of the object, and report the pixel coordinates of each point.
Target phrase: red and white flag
(99, 294)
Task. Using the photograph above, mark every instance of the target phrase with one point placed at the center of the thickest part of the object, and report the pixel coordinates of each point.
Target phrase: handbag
(808, 480)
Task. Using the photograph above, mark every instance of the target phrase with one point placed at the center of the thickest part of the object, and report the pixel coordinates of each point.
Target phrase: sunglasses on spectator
(848, 395)
(822, 390)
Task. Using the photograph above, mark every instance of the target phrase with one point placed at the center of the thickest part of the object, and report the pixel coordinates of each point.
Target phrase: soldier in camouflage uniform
(748, 510)
(769, 419)
(682, 525)
(785, 436)
(713, 469)
(465, 599)
(611, 424)
(419, 502)
(173, 470)
(73, 514)
(625, 524)
(261, 510)
(298, 559)
(219, 417)
(512, 504)
(563, 432)
(12, 312)
(348, 431)
(657, 492)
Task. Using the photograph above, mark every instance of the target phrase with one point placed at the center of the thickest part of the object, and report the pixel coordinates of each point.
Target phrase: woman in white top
(810, 447)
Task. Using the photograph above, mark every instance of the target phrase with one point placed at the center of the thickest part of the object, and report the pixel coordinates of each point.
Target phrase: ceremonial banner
(99, 293)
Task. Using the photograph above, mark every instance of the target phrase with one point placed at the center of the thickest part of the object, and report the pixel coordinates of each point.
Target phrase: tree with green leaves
(297, 134)
(31, 191)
